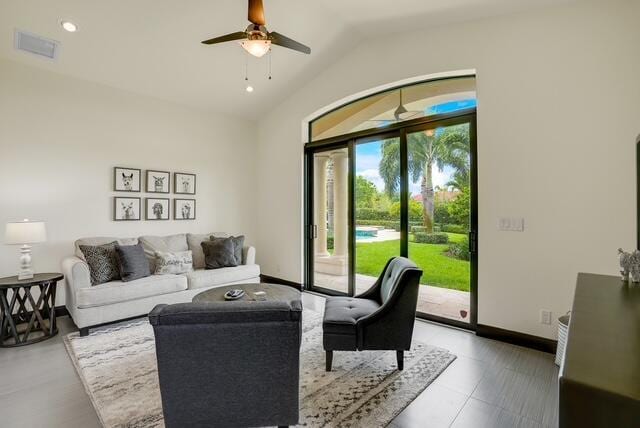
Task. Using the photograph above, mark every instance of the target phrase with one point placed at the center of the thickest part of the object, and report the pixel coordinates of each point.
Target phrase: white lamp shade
(25, 232)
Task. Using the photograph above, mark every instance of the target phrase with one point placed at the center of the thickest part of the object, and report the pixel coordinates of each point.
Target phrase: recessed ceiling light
(69, 26)
(249, 88)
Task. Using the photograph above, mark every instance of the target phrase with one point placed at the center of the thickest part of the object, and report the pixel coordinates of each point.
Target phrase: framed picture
(184, 184)
(126, 179)
(184, 209)
(126, 209)
(158, 181)
(156, 209)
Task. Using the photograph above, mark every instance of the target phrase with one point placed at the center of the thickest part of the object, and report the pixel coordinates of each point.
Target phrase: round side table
(24, 318)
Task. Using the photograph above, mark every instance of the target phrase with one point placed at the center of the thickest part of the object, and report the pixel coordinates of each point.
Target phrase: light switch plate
(511, 224)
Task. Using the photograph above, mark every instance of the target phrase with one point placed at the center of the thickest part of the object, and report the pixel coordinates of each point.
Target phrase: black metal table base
(25, 319)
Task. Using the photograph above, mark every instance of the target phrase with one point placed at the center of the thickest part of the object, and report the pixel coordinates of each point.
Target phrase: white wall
(60, 137)
(558, 115)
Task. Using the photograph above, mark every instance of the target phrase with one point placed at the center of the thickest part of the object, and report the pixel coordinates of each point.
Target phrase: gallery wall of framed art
(130, 180)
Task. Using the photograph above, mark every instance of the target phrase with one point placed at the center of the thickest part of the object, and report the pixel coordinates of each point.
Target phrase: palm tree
(442, 147)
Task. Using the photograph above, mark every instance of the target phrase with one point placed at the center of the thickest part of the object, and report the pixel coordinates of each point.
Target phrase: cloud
(373, 176)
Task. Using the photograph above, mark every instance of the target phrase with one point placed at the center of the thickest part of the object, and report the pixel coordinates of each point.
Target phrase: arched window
(397, 105)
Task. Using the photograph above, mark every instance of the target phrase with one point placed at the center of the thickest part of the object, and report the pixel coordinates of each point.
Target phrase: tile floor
(491, 384)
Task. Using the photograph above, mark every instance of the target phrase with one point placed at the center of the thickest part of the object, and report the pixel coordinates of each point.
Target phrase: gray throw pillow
(102, 261)
(219, 253)
(238, 243)
(132, 262)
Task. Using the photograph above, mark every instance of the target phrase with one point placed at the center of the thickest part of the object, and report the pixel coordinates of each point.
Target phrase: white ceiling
(153, 46)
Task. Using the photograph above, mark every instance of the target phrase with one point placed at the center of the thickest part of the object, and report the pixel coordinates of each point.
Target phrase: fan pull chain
(270, 53)
(246, 67)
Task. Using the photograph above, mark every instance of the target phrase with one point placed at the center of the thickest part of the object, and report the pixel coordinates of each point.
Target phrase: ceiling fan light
(257, 48)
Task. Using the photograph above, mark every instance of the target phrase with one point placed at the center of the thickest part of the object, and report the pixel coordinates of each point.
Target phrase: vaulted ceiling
(153, 47)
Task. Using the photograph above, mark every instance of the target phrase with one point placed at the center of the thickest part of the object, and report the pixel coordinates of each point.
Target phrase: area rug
(117, 366)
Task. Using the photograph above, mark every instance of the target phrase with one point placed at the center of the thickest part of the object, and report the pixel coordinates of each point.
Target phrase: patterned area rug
(118, 368)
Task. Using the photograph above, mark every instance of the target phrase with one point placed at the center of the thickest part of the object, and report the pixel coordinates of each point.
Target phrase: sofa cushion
(193, 241)
(167, 244)
(132, 262)
(342, 313)
(102, 261)
(209, 277)
(118, 291)
(100, 240)
(219, 253)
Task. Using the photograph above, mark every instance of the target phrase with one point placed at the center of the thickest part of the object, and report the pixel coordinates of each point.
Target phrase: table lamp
(24, 233)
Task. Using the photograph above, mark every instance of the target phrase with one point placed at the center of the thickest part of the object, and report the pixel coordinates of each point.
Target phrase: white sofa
(90, 306)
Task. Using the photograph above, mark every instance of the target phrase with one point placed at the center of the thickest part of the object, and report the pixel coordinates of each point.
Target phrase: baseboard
(276, 280)
(516, 338)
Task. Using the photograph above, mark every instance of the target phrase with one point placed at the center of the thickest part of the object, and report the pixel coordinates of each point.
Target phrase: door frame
(400, 130)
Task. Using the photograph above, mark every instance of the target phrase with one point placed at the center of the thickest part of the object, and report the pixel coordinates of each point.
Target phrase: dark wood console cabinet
(600, 377)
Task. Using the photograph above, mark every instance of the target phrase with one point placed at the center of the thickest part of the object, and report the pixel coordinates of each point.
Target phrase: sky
(368, 155)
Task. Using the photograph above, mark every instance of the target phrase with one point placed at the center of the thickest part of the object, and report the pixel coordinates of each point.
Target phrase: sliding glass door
(440, 225)
(329, 229)
(409, 191)
(377, 206)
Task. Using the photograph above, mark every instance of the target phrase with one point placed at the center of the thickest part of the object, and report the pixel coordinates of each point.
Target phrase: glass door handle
(315, 231)
(473, 244)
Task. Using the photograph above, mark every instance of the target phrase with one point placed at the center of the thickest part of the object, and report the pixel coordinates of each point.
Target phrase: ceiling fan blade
(284, 41)
(226, 38)
(256, 12)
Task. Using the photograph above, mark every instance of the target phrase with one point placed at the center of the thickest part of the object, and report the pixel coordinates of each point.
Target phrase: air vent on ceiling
(36, 45)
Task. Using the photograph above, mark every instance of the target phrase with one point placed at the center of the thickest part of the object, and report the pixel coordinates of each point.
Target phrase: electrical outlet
(545, 317)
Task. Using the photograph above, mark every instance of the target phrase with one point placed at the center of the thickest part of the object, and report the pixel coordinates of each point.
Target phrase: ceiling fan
(257, 39)
(400, 113)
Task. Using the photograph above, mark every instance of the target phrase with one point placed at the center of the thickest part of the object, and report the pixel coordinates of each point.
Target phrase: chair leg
(400, 357)
(329, 360)
(84, 331)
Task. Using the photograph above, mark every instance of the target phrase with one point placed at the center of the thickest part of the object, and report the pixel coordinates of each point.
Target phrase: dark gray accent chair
(228, 364)
(381, 318)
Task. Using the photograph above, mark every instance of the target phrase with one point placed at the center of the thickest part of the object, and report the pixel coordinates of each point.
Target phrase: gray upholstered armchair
(381, 318)
(228, 364)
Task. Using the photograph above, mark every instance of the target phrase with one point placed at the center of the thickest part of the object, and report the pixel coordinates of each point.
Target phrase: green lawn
(439, 270)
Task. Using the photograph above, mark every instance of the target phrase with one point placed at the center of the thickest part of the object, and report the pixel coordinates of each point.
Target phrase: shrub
(387, 224)
(414, 229)
(431, 238)
(455, 228)
(372, 214)
(329, 242)
(415, 210)
(441, 212)
(459, 250)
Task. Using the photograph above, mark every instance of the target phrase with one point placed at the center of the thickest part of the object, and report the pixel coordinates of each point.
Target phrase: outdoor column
(340, 202)
(320, 215)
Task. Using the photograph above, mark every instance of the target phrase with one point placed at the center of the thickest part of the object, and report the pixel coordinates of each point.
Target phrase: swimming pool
(366, 233)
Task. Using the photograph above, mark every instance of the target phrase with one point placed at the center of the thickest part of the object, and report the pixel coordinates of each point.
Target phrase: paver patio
(433, 300)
